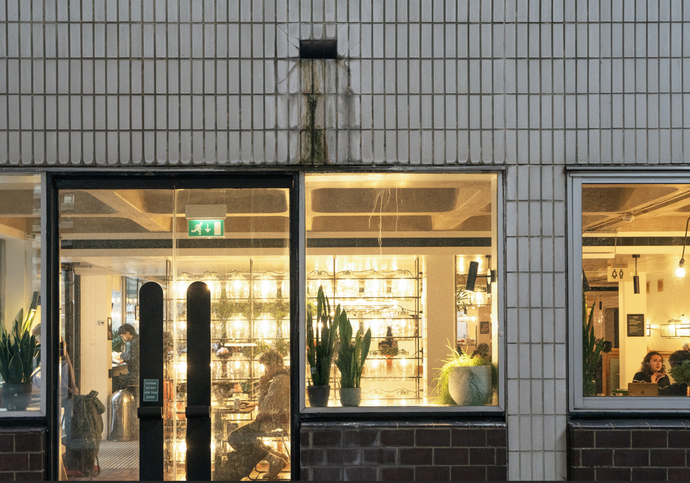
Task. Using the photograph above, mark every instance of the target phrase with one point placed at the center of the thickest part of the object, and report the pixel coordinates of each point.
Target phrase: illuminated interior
(394, 250)
(633, 243)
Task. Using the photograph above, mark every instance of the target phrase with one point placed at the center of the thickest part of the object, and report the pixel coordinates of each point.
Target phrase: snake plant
(352, 354)
(591, 350)
(321, 340)
(18, 347)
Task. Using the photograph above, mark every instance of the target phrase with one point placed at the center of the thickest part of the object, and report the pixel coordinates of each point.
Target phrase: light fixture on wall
(680, 271)
(473, 274)
(675, 329)
(636, 278)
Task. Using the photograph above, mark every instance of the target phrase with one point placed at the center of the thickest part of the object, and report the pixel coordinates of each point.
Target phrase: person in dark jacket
(131, 357)
(676, 389)
(652, 370)
(273, 418)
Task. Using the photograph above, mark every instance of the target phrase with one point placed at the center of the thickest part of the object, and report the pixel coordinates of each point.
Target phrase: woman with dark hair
(653, 370)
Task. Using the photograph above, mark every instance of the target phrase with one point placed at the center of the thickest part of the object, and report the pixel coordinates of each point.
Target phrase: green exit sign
(205, 228)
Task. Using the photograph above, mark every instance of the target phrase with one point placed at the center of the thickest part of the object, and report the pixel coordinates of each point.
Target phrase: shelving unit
(379, 298)
(249, 313)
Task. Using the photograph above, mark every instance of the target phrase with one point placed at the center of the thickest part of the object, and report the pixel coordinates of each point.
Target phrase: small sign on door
(150, 390)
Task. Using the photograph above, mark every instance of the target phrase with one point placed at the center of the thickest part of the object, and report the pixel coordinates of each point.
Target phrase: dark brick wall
(403, 451)
(22, 457)
(629, 450)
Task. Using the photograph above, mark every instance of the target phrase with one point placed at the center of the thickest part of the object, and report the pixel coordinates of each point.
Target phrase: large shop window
(23, 391)
(235, 241)
(630, 310)
(401, 292)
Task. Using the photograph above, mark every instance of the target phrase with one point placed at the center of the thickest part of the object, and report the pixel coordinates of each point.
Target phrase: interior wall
(18, 283)
(440, 310)
(96, 294)
(670, 303)
(632, 349)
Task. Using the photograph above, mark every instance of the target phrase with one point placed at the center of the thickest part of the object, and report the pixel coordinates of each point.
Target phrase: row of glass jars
(369, 284)
(238, 327)
(237, 285)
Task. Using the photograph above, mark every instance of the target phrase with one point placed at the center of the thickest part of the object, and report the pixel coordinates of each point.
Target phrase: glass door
(115, 239)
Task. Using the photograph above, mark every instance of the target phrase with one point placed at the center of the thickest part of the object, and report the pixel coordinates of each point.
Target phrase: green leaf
(366, 344)
(321, 343)
(16, 371)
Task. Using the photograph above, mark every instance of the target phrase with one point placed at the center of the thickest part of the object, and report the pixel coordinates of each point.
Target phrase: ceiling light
(680, 271)
(636, 278)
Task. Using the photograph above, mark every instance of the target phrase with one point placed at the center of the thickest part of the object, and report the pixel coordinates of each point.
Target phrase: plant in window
(321, 338)
(352, 354)
(466, 380)
(389, 347)
(18, 348)
(118, 345)
(463, 299)
(681, 373)
(591, 350)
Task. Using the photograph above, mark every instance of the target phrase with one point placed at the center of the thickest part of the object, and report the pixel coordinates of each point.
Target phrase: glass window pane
(411, 260)
(235, 241)
(112, 242)
(245, 264)
(20, 288)
(635, 320)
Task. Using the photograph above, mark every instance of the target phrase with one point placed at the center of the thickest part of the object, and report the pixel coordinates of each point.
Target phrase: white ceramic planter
(470, 386)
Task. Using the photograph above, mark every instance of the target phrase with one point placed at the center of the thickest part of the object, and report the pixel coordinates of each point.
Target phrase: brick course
(22, 455)
(629, 450)
(404, 451)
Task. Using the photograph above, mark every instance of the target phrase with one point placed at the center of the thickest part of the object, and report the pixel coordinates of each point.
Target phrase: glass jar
(237, 327)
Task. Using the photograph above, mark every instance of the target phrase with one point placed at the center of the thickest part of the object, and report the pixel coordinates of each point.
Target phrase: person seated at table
(653, 370)
(676, 389)
(273, 415)
(131, 357)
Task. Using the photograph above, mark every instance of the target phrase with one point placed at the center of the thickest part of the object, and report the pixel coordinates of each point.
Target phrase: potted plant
(591, 351)
(352, 354)
(681, 374)
(18, 348)
(465, 380)
(389, 348)
(321, 337)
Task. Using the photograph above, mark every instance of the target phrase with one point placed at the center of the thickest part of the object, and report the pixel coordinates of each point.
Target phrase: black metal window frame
(420, 413)
(61, 180)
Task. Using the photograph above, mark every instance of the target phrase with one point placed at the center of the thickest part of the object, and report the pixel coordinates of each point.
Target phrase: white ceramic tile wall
(531, 84)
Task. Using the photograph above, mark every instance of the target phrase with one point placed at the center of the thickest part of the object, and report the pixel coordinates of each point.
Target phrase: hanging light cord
(685, 239)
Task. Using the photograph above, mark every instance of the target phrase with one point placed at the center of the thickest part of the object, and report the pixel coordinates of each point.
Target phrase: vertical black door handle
(151, 382)
(198, 382)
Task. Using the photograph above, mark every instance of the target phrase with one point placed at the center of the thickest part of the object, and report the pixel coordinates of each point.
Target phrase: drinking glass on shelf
(265, 287)
(237, 286)
(347, 285)
(237, 327)
(375, 286)
(265, 327)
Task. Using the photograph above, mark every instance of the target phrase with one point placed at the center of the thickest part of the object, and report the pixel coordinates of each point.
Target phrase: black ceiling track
(633, 241)
(274, 243)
